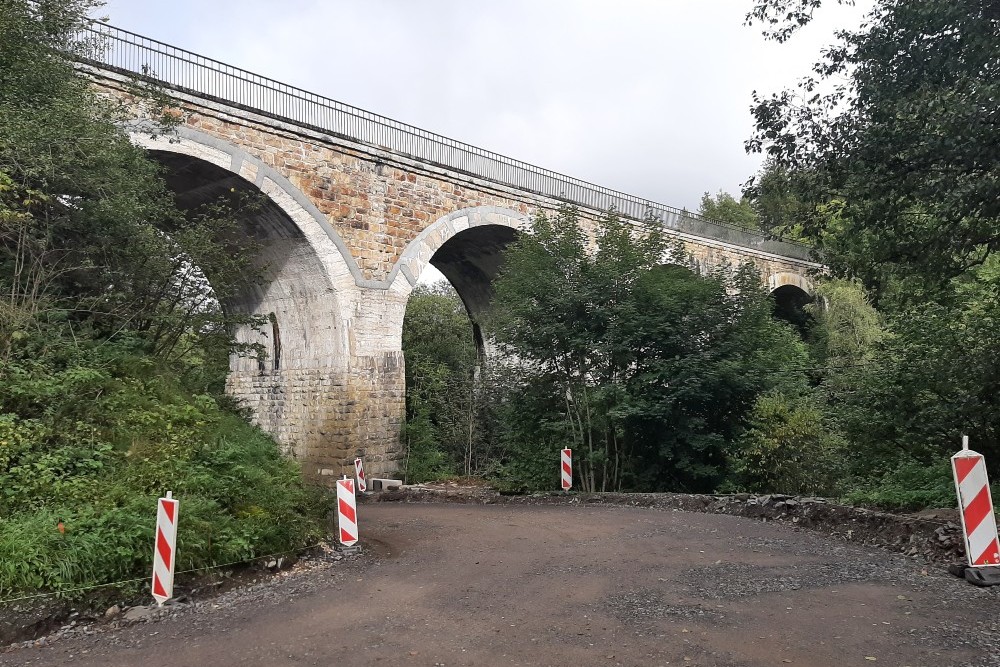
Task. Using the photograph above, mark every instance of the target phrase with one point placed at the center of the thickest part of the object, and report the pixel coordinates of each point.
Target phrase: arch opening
(444, 363)
(790, 303)
(470, 261)
(299, 391)
(467, 248)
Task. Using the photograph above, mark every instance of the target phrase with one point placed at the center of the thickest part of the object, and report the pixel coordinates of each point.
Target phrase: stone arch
(308, 283)
(791, 293)
(466, 246)
(789, 279)
(418, 254)
(471, 240)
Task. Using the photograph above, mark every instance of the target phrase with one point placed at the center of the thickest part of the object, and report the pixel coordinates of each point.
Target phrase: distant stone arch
(792, 292)
(467, 247)
(789, 279)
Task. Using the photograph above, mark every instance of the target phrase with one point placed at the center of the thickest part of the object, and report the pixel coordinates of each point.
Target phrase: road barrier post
(347, 512)
(566, 469)
(975, 504)
(165, 549)
(359, 472)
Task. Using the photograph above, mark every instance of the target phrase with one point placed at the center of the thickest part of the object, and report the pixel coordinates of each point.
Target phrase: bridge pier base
(338, 391)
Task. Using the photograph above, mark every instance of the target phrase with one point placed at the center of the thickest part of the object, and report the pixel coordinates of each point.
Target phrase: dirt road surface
(575, 585)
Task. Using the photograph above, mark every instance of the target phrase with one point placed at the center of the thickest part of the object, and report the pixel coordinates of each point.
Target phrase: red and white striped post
(566, 469)
(347, 512)
(979, 525)
(359, 472)
(165, 549)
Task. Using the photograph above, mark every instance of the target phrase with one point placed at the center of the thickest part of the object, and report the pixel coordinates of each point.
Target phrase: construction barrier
(979, 525)
(359, 472)
(567, 469)
(347, 511)
(165, 549)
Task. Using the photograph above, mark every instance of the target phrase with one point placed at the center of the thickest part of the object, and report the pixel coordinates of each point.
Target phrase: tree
(113, 345)
(932, 377)
(890, 152)
(705, 348)
(774, 203)
(725, 208)
(89, 234)
(847, 327)
(787, 448)
(646, 370)
(897, 130)
(447, 425)
(558, 310)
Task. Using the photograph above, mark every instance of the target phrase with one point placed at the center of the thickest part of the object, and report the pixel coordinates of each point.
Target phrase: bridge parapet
(125, 52)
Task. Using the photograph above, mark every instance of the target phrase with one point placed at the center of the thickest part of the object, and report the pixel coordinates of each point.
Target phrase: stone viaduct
(356, 207)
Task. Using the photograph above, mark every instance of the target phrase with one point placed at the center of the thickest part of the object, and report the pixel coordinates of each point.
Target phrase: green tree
(778, 209)
(645, 370)
(447, 415)
(726, 208)
(788, 448)
(898, 128)
(705, 348)
(89, 235)
(558, 310)
(932, 378)
(847, 326)
(113, 343)
(889, 151)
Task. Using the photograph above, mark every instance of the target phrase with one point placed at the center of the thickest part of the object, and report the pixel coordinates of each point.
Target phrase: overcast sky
(650, 97)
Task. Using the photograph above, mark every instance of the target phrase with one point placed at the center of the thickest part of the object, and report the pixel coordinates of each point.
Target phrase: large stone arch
(420, 252)
(309, 285)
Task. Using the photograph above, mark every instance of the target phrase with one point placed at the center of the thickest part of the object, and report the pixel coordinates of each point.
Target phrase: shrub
(96, 462)
(787, 448)
(425, 460)
(909, 486)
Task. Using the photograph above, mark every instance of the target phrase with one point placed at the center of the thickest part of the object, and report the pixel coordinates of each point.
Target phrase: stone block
(380, 484)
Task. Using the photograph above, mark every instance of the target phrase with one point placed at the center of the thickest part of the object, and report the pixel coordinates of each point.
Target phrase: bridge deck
(119, 50)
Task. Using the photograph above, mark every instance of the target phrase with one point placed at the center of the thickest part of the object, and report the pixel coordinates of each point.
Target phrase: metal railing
(124, 52)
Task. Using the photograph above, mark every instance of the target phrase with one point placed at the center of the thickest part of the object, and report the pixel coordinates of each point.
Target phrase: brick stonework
(366, 223)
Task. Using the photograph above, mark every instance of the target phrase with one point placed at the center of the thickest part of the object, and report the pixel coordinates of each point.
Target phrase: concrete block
(379, 484)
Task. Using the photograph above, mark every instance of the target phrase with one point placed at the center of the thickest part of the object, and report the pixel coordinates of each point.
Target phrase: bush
(530, 437)
(425, 461)
(787, 448)
(96, 460)
(910, 486)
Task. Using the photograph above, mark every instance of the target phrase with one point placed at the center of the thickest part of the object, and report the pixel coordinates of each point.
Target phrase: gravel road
(573, 585)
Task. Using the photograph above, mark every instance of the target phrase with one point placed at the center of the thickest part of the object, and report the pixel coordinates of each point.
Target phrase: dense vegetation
(886, 162)
(113, 346)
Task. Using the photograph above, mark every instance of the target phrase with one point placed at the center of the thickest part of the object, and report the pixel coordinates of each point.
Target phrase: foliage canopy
(621, 349)
(890, 146)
